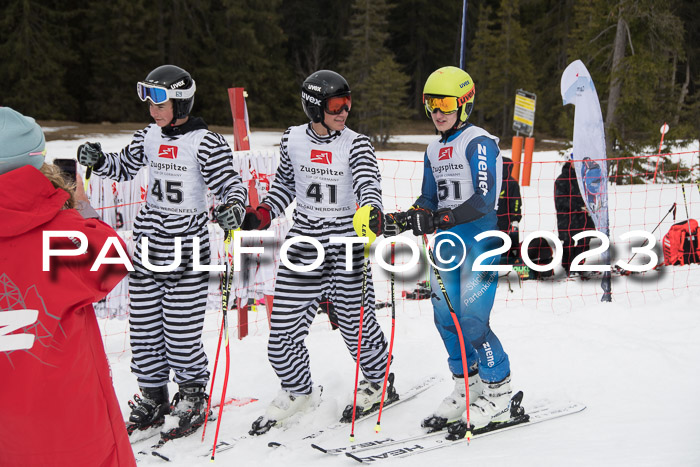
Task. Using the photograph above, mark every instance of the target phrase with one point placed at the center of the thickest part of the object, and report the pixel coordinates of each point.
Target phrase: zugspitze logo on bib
(167, 152)
(321, 157)
(445, 153)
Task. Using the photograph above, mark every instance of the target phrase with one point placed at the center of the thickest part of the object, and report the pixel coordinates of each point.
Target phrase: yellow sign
(524, 112)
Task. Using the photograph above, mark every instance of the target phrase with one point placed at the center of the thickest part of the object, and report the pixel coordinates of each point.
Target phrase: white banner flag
(589, 156)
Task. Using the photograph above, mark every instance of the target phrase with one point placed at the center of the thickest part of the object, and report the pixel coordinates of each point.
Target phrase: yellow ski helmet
(449, 89)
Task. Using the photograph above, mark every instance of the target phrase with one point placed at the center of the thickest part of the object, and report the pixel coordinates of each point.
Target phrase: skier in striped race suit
(167, 307)
(329, 169)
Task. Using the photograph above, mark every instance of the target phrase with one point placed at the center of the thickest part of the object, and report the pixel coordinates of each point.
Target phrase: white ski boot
(369, 397)
(285, 408)
(492, 406)
(454, 405)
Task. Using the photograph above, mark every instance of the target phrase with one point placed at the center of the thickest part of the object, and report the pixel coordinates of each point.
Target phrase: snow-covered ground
(635, 362)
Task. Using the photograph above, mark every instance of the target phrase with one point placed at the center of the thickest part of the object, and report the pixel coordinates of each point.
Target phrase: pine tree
(424, 38)
(378, 86)
(35, 59)
(501, 65)
(630, 48)
(114, 58)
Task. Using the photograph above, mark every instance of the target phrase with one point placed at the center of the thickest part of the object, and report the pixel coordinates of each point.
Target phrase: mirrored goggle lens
(156, 95)
(335, 105)
(446, 105)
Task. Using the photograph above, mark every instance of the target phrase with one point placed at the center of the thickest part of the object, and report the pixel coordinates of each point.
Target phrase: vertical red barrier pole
(517, 149)
(527, 161)
(241, 142)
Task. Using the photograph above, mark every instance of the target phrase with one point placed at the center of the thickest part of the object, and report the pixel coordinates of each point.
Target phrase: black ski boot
(189, 406)
(148, 411)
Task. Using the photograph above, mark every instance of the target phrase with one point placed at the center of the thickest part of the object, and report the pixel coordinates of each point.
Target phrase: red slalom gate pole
(664, 129)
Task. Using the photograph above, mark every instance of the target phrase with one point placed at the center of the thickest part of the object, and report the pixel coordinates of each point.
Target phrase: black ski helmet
(317, 88)
(175, 78)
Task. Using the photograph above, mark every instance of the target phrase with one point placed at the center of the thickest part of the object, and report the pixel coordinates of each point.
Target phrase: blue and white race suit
(465, 172)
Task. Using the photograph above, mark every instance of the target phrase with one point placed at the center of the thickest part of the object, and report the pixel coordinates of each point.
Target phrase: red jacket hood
(27, 200)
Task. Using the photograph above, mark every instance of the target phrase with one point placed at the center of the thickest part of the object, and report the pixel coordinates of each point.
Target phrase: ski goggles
(335, 105)
(446, 104)
(159, 94)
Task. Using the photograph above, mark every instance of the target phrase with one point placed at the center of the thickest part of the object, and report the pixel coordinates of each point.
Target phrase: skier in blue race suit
(459, 198)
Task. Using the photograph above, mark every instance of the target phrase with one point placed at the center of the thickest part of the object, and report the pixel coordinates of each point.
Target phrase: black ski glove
(396, 223)
(230, 216)
(91, 155)
(376, 221)
(444, 219)
(422, 221)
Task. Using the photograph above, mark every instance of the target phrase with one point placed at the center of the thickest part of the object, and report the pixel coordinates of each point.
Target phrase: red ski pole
(225, 289)
(229, 273)
(468, 434)
(359, 336)
(378, 427)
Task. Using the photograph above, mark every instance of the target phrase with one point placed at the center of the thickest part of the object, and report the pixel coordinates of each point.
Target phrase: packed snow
(633, 362)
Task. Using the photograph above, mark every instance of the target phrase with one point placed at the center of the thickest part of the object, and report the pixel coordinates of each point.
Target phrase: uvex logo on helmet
(313, 87)
(445, 153)
(179, 84)
(321, 157)
(167, 152)
(462, 100)
(311, 99)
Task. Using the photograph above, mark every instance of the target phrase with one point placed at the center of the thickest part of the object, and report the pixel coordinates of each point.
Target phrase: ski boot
(516, 415)
(148, 411)
(453, 406)
(188, 409)
(285, 408)
(369, 397)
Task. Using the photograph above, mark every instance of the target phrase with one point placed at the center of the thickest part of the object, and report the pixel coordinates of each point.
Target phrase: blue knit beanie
(21, 141)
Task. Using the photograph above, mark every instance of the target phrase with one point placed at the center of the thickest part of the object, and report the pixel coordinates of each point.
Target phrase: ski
(423, 443)
(403, 397)
(154, 450)
(136, 435)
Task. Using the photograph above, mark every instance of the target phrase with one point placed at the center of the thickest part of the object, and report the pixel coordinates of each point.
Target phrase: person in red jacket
(57, 403)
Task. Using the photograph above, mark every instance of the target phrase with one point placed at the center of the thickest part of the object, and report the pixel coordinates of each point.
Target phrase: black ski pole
(673, 209)
(690, 234)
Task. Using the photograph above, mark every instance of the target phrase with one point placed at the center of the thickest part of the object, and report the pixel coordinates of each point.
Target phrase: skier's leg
(296, 300)
(184, 308)
(347, 299)
(146, 335)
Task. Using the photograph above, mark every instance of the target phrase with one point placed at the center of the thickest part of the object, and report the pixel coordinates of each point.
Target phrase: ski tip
(319, 448)
(274, 444)
(354, 457)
